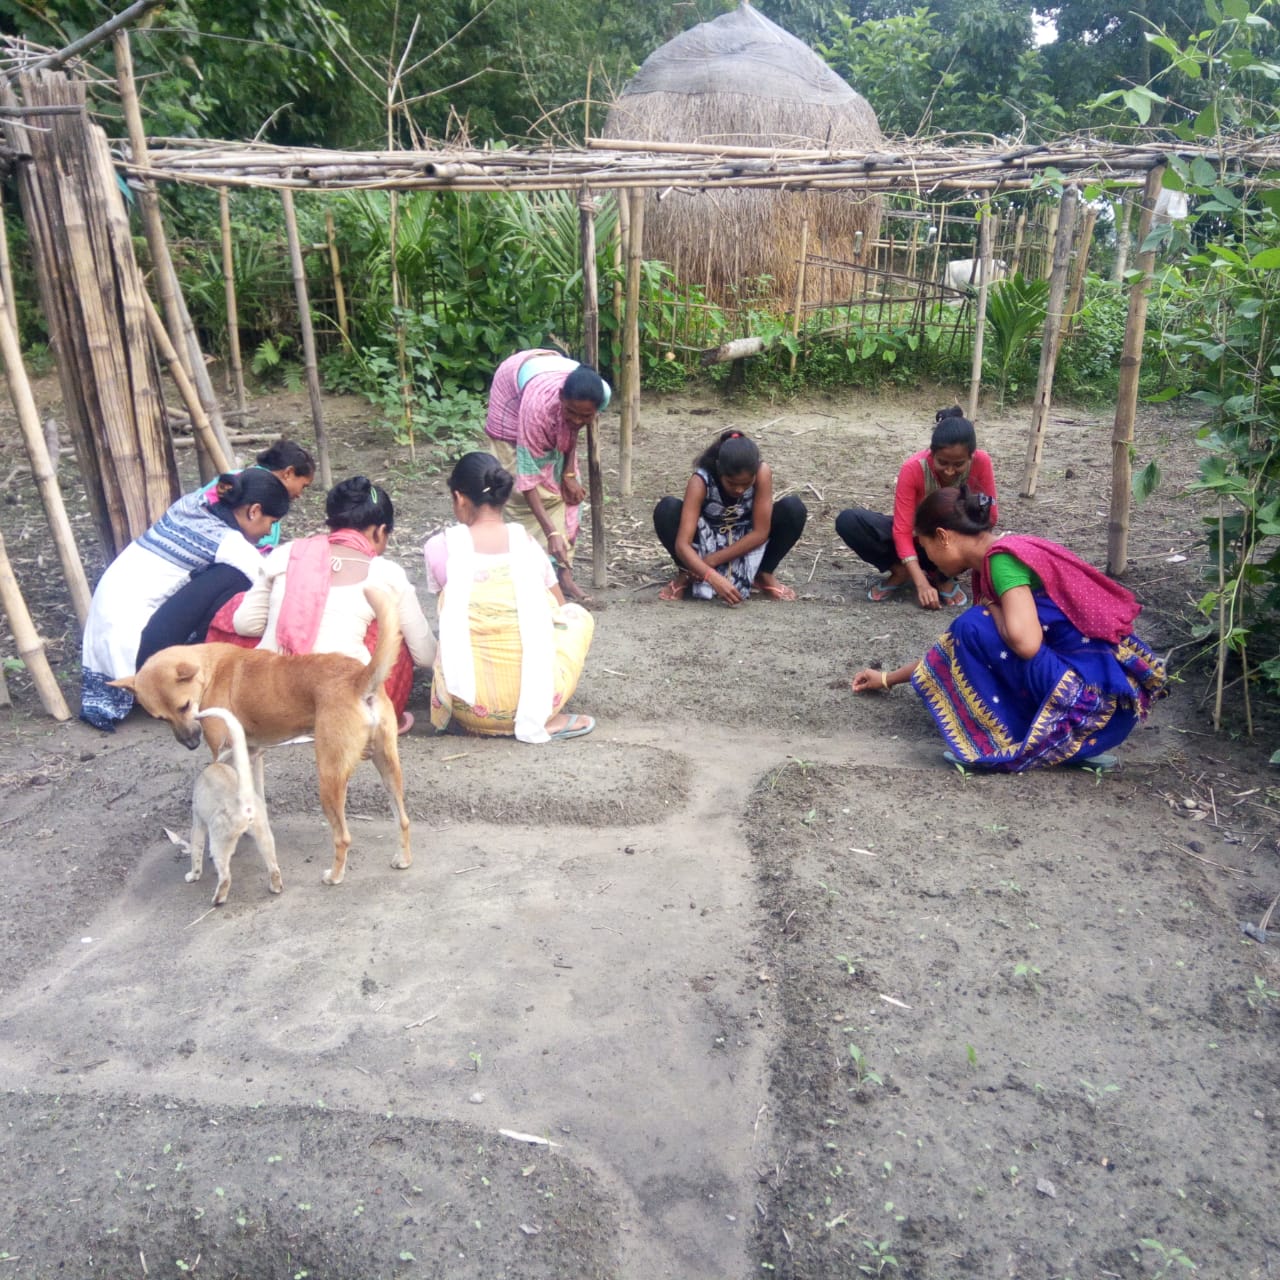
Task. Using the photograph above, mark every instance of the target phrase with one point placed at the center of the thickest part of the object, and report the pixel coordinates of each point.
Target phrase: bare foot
(676, 588)
(571, 589)
(769, 586)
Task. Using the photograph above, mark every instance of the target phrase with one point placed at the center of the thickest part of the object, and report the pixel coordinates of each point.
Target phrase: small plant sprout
(850, 963)
(1261, 995)
(862, 1067)
(1169, 1258)
(1025, 971)
(475, 1056)
(972, 1054)
(1095, 1094)
(881, 1259)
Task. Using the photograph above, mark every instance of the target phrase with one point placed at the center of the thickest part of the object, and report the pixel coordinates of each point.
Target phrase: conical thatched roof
(742, 80)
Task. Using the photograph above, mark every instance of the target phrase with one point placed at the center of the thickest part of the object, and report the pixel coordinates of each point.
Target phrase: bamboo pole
(631, 341)
(200, 424)
(1127, 393)
(42, 467)
(308, 337)
(1081, 267)
(621, 234)
(937, 244)
(402, 351)
(799, 306)
(1018, 231)
(1052, 339)
(177, 317)
(1121, 264)
(25, 636)
(6, 268)
(591, 356)
(980, 319)
(233, 310)
(1050, 240)
(335, 265)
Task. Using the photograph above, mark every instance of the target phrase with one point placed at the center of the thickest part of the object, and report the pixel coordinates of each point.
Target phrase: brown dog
(277, 697)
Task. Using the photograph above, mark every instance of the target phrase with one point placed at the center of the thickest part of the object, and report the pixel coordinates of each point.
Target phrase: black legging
(785, 528)
(185, 616)
(869, 535)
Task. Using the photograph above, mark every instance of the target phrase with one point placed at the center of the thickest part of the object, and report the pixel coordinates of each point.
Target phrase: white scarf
(533, 610)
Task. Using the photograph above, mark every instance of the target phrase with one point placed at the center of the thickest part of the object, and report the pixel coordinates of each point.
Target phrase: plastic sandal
(956, 597)
(879, 589)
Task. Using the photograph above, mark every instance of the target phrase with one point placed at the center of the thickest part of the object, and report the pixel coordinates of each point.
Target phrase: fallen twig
(527, 1137)
(421, 1022)
(1209, 862)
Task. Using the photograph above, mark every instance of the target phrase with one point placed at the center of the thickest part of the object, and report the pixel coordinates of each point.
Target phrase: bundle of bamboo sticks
(93, 300)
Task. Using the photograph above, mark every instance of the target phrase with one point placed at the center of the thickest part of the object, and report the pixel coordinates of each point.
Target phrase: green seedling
(862, 1067)
(1169, 1256)
(881, 1259)
(1096, 1094)
(972, 1054)
(850, 964)
(1261, 995)
(475, 1056)
(1025, 971)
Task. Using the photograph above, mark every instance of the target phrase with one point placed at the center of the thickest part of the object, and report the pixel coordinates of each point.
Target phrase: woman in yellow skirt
(511, 650)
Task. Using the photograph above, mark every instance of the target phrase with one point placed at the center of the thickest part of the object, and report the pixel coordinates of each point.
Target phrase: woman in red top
(888, 543)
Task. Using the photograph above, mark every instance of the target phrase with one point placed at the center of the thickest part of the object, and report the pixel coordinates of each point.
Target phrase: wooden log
(591, 356)
(190, 397)
(631, 340)
(1127, 392)
(308, 337)
(734, 349)
(335, 265)
(980, 319)
(233, 309)
(1052, 339)
(42, 467)
(30, 646)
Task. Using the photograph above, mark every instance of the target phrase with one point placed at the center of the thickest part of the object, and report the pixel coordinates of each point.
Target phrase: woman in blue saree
(1045, 669)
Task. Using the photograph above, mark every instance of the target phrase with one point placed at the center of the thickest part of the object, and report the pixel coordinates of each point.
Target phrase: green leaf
(1160, 397)
(1203, 174)
(1146, 481)
(1236, 9)
(1267, 260)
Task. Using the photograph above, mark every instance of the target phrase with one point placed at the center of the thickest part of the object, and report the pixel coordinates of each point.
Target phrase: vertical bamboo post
(1127, 393)
(1052, 339)
(1050, 241)
(621, 231)
(308, 335)
(25, 636)
(335, 265)
(402, 354)
(1081, 267)
(233, 310)
(1018, 230)
(799, 306)
(42, 467)
(631, 340)
(177, 318)
(6, 269)
(937, 244)
(1121, 264)
(980, 319)
(591, 356)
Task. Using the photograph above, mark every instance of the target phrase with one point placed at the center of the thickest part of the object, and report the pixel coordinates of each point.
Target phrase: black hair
(955, 428)
(358, 503)
(243, 488)
(481, 478)
(285, 454)
(584, 383)
(960, 510)
(733, 454)
(951, 411)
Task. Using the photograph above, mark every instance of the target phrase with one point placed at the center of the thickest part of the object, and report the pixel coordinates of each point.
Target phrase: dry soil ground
(773, 991)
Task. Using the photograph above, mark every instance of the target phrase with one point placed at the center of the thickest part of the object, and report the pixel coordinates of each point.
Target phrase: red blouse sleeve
(908, 494)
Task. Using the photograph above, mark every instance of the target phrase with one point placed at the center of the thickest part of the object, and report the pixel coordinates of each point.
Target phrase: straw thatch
(740, 79)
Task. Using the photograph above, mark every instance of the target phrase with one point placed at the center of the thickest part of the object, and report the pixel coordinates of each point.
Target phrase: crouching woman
(1048, 671)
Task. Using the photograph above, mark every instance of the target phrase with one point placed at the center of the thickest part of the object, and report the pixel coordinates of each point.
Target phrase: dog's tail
(387, 648)
(247, 794)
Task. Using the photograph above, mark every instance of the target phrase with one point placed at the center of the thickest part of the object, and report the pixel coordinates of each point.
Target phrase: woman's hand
(869, 680)
(927, 595)
(571, 489)
(723, 587)
(558, 546)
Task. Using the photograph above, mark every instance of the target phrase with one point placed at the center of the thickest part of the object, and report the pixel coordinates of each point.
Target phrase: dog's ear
(125, 683)
(185, 671)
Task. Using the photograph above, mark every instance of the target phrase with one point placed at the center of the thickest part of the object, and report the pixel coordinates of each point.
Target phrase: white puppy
(226, 804)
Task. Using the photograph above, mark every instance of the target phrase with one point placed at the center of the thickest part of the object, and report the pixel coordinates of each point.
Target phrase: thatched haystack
(742, 80)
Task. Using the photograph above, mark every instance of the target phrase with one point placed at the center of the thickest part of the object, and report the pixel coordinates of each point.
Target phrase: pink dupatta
(306, 589)
(1096, 605)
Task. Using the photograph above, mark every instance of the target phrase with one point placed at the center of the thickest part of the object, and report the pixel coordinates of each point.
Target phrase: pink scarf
(306, 588)
(1096, 605)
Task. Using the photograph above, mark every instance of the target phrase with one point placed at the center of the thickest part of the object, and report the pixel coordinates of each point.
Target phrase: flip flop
(1103, 762)
(778, 591)
(880, 589)
(676, 589)
(956, 597)
(579, 732)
